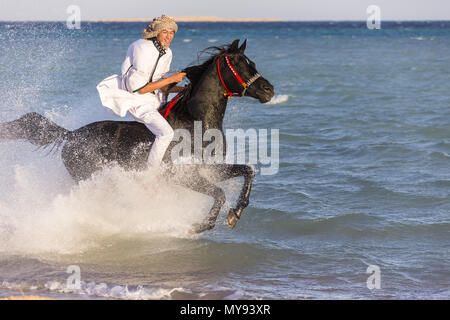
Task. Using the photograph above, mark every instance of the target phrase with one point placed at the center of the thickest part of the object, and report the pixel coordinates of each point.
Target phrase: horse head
(239, 74)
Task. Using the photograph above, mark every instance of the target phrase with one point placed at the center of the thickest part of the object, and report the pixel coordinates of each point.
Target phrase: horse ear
(244, 45)
(234, 46)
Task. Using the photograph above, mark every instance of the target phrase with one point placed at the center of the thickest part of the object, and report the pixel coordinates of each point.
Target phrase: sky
(288, 10)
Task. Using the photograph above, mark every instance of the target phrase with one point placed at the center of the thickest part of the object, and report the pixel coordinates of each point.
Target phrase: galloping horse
(90, 148)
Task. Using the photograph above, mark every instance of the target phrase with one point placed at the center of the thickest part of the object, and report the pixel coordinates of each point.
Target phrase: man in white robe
(142, 85)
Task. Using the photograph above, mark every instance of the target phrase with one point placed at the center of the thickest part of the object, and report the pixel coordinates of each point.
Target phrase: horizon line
(138, 20)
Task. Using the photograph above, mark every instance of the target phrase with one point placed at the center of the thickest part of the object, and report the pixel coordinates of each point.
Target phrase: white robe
(116, 91)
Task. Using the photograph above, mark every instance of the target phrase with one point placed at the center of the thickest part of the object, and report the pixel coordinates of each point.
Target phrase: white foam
(114, 291)
(277, 99)
(38, 216)
(187, 40)
(422, 38)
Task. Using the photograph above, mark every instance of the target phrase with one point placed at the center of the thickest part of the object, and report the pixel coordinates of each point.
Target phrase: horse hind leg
(219, 200)
(202, 185)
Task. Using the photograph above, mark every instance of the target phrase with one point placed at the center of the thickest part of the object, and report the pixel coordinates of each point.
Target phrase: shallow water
(363, 176)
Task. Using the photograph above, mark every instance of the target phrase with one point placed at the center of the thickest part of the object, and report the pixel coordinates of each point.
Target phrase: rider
(143, 85)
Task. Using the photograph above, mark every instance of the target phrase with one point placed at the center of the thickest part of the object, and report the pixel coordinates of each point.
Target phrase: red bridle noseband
(229, 94)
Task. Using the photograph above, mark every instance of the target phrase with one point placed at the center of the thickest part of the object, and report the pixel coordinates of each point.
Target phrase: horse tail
(34, 128)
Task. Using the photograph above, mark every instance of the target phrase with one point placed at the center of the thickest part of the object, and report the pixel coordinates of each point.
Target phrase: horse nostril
(267, 88)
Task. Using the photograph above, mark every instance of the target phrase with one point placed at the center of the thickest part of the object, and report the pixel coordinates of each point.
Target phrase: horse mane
(196, 72)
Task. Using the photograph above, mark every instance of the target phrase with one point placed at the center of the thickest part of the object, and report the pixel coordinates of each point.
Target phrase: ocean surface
(363, 181)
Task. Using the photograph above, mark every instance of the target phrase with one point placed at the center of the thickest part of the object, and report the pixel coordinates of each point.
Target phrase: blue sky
(283, 9)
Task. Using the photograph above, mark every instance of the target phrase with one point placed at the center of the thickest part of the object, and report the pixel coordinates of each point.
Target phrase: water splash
(278, 99)
(113, 203)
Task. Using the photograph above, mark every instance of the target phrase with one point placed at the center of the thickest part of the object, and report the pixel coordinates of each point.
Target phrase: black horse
(90, 148)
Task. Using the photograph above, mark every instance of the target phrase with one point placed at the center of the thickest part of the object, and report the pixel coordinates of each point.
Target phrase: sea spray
(279, 98)
(113, 203)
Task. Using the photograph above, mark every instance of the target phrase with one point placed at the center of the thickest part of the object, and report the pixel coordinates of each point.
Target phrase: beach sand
(26, 298)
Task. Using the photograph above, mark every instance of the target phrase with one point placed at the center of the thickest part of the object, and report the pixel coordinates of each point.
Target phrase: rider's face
(165, 37)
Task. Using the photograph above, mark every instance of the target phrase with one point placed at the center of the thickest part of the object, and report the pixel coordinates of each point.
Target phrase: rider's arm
(152, 86)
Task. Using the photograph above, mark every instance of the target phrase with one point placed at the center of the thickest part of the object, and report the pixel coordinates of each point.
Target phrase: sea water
(363, 181)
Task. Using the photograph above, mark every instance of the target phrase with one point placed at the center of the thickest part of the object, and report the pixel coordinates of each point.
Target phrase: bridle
(165, 112)
(247, 84)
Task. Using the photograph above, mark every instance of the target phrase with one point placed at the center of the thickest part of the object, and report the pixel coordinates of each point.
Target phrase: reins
(173, 102)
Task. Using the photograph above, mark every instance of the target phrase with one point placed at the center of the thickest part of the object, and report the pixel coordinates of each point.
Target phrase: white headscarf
(159, 24)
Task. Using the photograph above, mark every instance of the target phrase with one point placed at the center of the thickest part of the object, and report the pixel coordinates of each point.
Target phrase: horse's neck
(208, 103)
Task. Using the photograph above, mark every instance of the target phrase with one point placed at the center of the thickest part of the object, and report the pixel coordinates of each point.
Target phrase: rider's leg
(160, 128)
(163, 136)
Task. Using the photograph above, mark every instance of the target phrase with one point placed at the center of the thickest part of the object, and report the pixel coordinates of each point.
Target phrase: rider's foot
(150, 179)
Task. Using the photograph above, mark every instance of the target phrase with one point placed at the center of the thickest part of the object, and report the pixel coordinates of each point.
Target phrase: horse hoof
(233, 217)
(201, 227)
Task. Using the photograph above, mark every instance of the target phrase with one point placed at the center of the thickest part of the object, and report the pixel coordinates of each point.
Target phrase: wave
(98, 290)
(278, 99)
(93, 290)
(114, 291)
(440, 155)
(422, 38)
(355, 225)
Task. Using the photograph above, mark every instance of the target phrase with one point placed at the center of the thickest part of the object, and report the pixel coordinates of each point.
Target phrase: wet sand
(26, 298)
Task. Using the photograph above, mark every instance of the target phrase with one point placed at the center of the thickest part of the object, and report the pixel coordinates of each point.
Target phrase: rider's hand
(178, 77)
